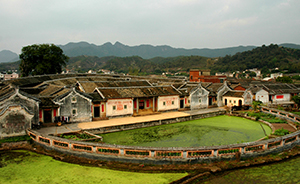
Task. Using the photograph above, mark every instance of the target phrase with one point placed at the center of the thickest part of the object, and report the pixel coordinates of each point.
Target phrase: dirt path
(284, 126)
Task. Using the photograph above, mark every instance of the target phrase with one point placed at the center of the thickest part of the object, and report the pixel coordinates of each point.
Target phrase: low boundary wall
(282, 114)
(151, 155)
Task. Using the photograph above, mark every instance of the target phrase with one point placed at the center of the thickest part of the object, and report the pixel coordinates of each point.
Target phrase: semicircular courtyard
(214, 131)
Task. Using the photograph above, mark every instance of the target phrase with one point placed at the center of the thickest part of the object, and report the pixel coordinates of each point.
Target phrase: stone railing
(165, 155)
(283, 115)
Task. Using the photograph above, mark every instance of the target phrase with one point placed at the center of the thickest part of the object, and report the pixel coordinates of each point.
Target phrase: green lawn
(283, 173)
(221, 130)
(28, 167)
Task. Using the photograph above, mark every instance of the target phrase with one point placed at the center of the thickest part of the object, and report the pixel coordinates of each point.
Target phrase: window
(234, 102)
(172, 102)
(229, 101)
(164, 103)
(73, 99)
(199, 100)
(74, 112)
(189, 101)
(114, 108)
(125, 106)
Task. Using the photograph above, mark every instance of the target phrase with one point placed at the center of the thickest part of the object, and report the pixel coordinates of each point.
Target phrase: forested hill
(138, 66)
(265, 58)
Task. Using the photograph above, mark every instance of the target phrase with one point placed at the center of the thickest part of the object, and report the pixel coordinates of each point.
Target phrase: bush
(281, 132)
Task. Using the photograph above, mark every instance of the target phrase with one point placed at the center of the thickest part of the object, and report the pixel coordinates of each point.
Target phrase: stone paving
(73, 127)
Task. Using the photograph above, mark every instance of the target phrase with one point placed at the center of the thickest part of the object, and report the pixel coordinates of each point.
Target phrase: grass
(298, 113)
(283, 172)
(221, 130)
(27, 167)
(266, 117)
(77, 136)
(15, 139)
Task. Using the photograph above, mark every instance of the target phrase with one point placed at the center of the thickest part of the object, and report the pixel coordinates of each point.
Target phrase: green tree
(42, 59)
(255, 105)
(284, 79)
(296, 99)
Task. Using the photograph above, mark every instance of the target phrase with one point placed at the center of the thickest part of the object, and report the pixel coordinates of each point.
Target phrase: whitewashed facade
(119, 107)
(262, 95)
(199, 98)
(166, 103)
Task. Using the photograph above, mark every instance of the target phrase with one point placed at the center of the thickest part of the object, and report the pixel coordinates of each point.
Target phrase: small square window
(73, 99)
(114, 108)
(234, 102)
(189, 101)
(125, 106)
(229, 101)
(74, 112)
(164, 103)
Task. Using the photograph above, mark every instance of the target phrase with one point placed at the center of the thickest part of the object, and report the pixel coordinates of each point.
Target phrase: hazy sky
(178, 23)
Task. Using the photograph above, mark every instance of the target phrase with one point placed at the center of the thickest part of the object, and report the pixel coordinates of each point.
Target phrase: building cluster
(9, 75)
(92, 97)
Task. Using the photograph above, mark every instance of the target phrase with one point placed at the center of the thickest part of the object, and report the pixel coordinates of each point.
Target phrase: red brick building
(197, 75)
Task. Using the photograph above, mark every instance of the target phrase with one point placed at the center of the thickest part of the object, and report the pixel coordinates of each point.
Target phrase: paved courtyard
(122, 121)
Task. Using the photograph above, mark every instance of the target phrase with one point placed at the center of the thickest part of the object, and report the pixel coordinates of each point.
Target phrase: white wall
(233, 101)
(263, 96)
(117, 107)
(168, 103)
(282, 98)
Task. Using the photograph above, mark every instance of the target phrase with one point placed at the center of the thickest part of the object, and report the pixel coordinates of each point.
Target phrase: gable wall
(82, 106)
(262, 96)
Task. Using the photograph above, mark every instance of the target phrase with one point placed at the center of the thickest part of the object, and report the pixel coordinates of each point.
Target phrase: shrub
(281, 132)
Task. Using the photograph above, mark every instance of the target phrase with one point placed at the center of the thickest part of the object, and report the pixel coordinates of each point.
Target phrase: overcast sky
(177, 23)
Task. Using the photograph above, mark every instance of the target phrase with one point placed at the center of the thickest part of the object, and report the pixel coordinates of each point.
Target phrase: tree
(255, 104)
(42, 59)
(284, 79)
(296, 99)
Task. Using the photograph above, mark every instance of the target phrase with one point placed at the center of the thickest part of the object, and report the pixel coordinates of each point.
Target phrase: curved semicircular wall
(172, 154)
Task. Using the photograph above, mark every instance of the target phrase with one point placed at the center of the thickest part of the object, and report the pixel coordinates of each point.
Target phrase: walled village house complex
(92, 97)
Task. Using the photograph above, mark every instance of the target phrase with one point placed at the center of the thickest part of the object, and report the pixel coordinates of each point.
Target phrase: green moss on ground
(221, 130)
(283, 172)
(28, 167)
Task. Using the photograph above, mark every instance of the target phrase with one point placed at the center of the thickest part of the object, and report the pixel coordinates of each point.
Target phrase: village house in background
(68, 98)
(197, 75)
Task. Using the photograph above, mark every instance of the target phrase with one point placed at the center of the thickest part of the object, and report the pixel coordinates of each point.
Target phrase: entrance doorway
(225, 101)
(181, 104)
(47, 116)
(210, 101)
(141, 104)
(240, 102)
(96, 111)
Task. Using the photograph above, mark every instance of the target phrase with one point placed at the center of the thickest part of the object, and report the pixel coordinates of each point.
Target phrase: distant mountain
(144, 51)
(8, 56)
(290, 45)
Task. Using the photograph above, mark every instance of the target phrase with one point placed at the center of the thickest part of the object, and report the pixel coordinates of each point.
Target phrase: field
(221, 130)
(283, 172)
(28, 167)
